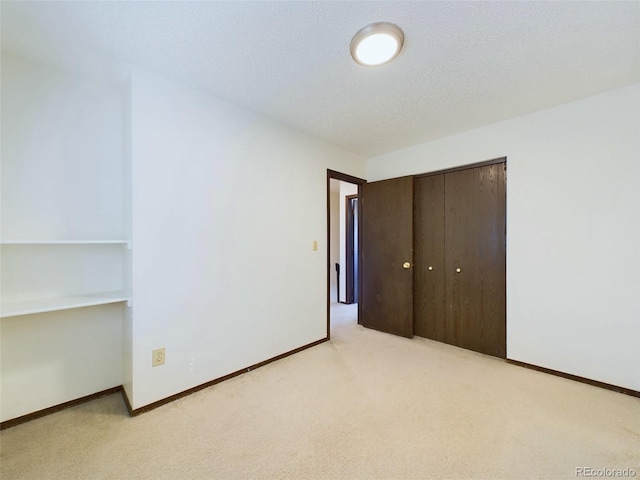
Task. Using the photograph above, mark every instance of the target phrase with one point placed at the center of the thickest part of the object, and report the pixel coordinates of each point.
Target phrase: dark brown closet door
(386, 249)
(475, 264)
(428, 254)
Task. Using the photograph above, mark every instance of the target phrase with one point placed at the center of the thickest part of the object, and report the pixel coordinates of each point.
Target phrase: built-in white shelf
(64, 242)
(28, 307)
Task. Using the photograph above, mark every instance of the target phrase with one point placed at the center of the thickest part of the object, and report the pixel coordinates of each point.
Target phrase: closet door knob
(406, 265)
(430, 267)
(458, 270)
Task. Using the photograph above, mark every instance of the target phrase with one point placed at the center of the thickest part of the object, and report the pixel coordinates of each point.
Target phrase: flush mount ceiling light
(377, 43)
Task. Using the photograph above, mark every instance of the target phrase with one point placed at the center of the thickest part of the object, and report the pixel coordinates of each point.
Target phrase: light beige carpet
(367, 405)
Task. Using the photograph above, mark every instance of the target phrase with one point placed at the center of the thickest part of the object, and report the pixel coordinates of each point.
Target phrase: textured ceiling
(464, 64)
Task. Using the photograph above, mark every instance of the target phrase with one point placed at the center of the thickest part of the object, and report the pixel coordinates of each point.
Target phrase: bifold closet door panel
(475, 263)
(386, 256)
(428, 254)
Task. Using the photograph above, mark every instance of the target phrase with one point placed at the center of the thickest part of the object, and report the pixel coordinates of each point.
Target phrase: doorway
(343, 248)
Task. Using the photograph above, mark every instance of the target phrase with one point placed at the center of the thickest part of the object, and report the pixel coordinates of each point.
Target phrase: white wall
(573, 229)
(61, 180)
(127, 227)
(61, 155)
(226, 206)
(52, 358)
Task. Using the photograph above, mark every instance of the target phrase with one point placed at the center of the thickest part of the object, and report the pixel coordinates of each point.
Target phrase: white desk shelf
(66, 242)
(28, 307)
(32, 268)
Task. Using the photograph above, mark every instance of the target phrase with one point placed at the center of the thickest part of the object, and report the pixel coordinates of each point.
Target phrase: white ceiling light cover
(377, 44)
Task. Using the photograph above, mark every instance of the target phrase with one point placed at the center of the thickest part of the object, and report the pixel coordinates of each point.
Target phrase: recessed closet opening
(434, 256)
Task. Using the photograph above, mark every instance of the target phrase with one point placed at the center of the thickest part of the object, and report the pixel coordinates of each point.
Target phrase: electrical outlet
(157, 357)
